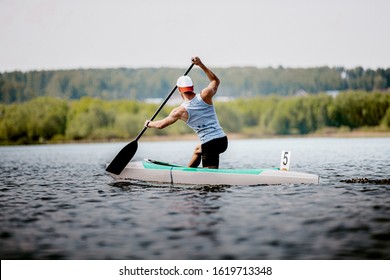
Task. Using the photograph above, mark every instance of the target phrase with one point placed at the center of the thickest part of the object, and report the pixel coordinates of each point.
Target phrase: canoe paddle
(126, 154)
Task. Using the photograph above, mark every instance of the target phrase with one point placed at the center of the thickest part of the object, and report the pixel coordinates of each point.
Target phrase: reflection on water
(56, 202)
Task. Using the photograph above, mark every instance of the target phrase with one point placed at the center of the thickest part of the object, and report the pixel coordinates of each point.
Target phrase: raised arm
(208, 92)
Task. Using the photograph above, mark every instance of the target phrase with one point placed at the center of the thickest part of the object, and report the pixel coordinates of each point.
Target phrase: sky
(70, 34)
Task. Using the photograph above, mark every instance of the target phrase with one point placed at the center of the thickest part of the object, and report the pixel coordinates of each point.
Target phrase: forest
(56, 119)
(144, 83)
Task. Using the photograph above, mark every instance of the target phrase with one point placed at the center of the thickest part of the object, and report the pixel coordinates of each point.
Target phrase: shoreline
(231, 136)
(239, 136)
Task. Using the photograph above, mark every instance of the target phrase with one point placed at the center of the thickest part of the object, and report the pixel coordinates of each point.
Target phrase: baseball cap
(185, 84)
(184, 81)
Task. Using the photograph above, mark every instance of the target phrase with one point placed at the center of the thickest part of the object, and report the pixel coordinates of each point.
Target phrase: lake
(56, 202)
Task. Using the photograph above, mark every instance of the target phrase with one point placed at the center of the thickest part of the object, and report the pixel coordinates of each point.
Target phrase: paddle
(126, 154)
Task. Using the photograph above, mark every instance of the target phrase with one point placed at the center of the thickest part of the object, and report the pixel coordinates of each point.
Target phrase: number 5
(285, 160)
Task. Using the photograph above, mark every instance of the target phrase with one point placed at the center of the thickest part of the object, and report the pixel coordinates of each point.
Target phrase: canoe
(156, 171)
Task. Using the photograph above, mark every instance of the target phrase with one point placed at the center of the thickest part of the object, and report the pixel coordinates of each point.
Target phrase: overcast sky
(66, 34)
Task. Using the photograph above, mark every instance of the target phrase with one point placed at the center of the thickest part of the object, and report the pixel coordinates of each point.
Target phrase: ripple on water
(67, 208)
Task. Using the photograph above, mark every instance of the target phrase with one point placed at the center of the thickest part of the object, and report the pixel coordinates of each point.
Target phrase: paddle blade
(122, 158)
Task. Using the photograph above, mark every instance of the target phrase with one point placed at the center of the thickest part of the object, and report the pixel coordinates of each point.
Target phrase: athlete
(198, 112)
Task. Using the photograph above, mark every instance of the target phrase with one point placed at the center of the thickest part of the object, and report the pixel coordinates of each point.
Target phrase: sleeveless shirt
(203, 119)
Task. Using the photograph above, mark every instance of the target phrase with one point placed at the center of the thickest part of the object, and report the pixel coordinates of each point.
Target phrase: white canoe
(156, 171)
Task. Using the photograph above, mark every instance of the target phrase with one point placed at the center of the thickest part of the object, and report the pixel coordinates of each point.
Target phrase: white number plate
(285, 160)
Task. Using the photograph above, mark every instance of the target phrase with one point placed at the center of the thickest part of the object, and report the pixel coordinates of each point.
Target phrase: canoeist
(198, 112)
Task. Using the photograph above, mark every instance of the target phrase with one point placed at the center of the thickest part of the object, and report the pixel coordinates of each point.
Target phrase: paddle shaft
(162, 105)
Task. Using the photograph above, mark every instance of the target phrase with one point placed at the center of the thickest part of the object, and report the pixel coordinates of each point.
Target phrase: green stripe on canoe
(167, 166)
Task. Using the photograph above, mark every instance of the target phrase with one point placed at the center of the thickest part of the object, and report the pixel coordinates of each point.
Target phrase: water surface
(56, 202)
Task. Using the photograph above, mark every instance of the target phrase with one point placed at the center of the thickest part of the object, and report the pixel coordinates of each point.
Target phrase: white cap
(184, 81)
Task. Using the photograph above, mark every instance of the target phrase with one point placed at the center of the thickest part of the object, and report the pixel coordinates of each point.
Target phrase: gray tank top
(203, 119)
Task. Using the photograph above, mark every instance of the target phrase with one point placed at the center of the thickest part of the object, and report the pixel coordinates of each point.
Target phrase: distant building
(223, 98)
(332, 93)
(153, 100)
(301, 92)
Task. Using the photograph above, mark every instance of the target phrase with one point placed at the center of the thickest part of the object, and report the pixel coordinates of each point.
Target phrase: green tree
(87, 118)
(46, 118)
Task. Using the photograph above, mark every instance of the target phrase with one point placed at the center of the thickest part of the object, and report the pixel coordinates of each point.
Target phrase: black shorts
(211, 151)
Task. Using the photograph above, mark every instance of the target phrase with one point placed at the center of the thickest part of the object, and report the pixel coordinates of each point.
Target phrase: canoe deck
(156, 171)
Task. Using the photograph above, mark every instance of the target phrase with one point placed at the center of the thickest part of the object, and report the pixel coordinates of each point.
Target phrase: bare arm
(207, 93)
(176, 114)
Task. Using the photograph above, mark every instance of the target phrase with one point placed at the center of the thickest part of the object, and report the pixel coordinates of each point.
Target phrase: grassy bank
(231, 136)
(53, 120)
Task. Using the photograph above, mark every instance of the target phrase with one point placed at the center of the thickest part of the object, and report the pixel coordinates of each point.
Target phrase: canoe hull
(172, 174)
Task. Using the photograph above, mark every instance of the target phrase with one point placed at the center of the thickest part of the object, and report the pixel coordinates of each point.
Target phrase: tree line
(143, 83)
(56, 119)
